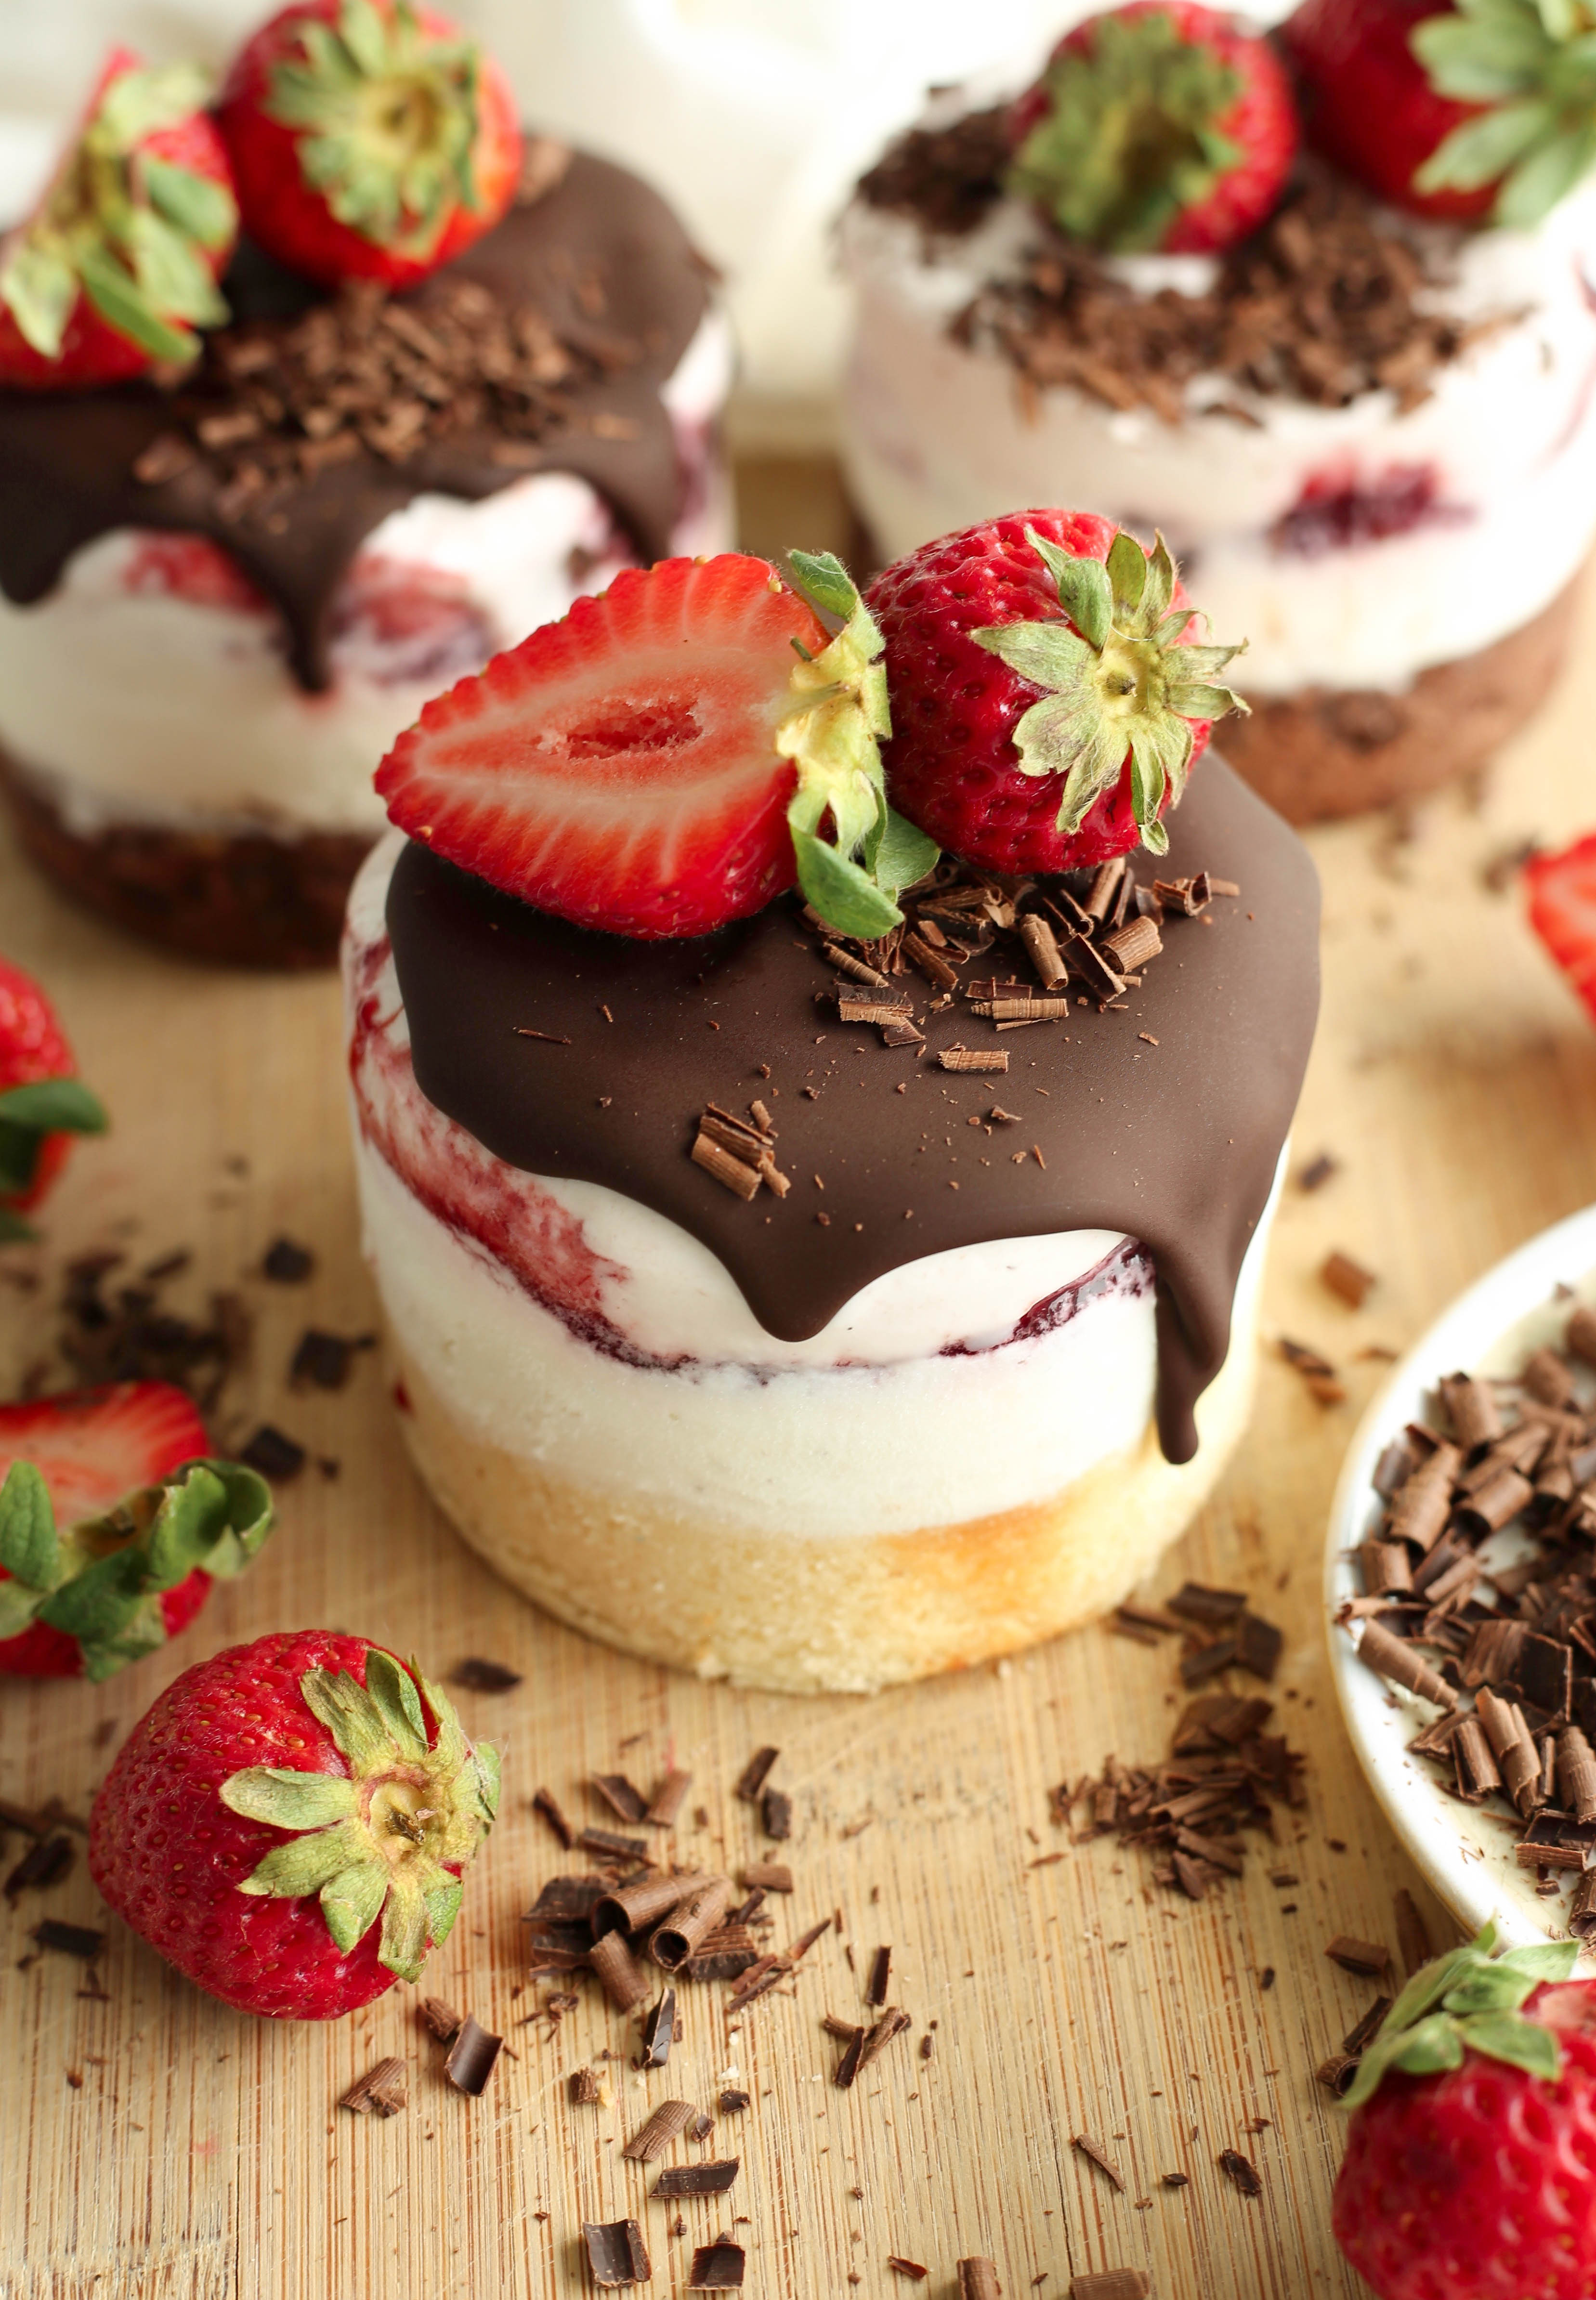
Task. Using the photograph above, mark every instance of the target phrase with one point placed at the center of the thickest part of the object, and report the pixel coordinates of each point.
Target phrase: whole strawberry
(1048, 693)
(670, 756)
(370, 139)
(289, 1822)
(43, 1103)
(118, 264)
(1486, 110)
(113, 1523)
(1470, 2170)
(1161, 125)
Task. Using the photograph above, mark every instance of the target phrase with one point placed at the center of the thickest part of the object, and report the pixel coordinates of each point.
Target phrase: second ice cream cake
(858, 1282)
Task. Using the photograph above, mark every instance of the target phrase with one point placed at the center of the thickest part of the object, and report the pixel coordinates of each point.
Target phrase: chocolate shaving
(72, 1940)
(751, 1781)
(977, 2279)
(1347, 1279)
(479, 1676)
(960, 1058)
(668, 2122)
(659, 2031)
(442, 2019)
(632, 1908)
(717, 2267)
(612, 1845)
(1236, 2168)
(322, 1361)
(767, 1877)
(274, 1455)
(1390, 1658)
(1370, 1958)
(875, 1988)
(667, 1800)
(868, 2045)
(732, 2103)
(684, 1931)
(473, 2057)
(545, 1803)
(914, 2269)
(286, 1263)
(624, 1800)
(1094, 2151)
(626, 1982)
(587, 2091)
(44, 1863)
(707, 2178)
(383, 2092)
(1111, 2284)
(775, 1808)
(617, 2253)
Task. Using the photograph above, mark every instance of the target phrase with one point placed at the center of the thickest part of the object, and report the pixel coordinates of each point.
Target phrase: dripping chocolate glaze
(66, 459)
(1175, 1145)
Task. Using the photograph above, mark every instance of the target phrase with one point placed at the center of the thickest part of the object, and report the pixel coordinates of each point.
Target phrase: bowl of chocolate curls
(1461, 1582)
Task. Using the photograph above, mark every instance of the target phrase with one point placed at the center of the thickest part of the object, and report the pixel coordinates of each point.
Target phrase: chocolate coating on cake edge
(1174, 1145)
(66, 459)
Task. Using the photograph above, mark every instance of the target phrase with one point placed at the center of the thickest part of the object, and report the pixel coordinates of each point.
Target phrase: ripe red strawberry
(1562, 910)
(274, 1804)
(1483, 110)
(113, 1523)
(1159, 125)
(1470, 2170)
(1047, 692)
(661, 760)
(43, 1104)
(118, 264)
(370, 138)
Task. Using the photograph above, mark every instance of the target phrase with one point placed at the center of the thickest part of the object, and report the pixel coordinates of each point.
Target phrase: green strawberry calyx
(1468, 2001)
(29, 1115)
(1120, 682)
(1533, 65)
(1132, 136)
(100, 1581)
(387, 116)
(832, 730)
(128, 230)
(388, 1838)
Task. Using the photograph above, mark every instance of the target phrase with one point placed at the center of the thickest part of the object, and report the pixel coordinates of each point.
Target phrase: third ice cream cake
(827, 1286)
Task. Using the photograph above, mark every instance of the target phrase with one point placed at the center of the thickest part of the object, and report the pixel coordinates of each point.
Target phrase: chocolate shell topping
(1174, 1144)
(602, 259)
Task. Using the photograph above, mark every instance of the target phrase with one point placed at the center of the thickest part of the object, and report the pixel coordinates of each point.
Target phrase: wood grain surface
(152, 2144)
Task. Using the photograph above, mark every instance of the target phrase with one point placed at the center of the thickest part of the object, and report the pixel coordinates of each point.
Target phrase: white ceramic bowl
(1465, 1854)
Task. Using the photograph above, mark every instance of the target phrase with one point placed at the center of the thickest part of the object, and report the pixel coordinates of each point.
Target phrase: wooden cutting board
(152, 2144)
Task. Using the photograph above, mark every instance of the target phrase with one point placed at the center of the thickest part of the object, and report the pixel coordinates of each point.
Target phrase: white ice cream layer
(129, 704)
(850, 1432)
(937, 437)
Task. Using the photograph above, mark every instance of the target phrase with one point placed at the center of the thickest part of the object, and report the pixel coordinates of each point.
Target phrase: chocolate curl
(1579, 1339)
(1500, 1499)
(1513, 1750)
(1041, 948)
(668, 1799)
(695, 1919)
(1389, 1657)
(625, 1983)
(635, 1906)
(978, 2281)
(1581, 1915)
(1477, 1773)
(1547, 1379)
(1105, 886)
(1387, 1567)
(1424, 1502)
(1475, 1416)
(1134, 944)
(1492, 1655)
(1576, 1774)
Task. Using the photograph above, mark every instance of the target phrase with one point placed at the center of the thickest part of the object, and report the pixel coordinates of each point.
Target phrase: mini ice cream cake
(1352, 381)
(826, 1287)
(247, 530)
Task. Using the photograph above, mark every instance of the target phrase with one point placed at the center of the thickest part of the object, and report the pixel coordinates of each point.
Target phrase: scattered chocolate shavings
(1196, 1603)
(668, 2122)
(276, 1456)
(442, 2019)
(977, 2279)
(947, 179)
(545, 1803)
(775, 1808)
(612, 1845)
(1096, 2153)
(1111, 2284)
(667, 1800)
(72, 1940)
(587, 2091)
(767, 1876)
(322, 1361)
(623, 1798)
(868, 2043)
(1318, 1375)
(617, 2253)
(44, 1863)
(732, 2103)
(1347, 1279)
(881, 1966)
(717, 2267)
(707, 2178)
(478, 1676)
(1236, 2168)
(740, 1156)
(659, 2031)
(473, 2057)
(1370, 1958)
(961, 1058)
(1258, 1645)
(1318, 1172)
(913, 2269)
(384, 2091)
(626, 1982)
(130, 1334)
(286, 1263)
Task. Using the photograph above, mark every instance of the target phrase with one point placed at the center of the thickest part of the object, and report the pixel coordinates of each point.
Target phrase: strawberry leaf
(137, 104)
(30, 1551)
(289, 1799)
(843, 894)
(121, 301)
(1468, 2000)
(204, 211)
(62, 1105)
(13, 1229)
(38, 288)
(352, 1900)
(1523, 2043)
(896, 854)
(1533, 63)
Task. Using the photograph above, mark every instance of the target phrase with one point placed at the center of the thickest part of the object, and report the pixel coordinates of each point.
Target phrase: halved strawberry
(663, 760)
(43, 1104)
(1562, 907)
(113, 1523)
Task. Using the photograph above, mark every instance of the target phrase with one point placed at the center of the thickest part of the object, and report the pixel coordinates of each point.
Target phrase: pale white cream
(131, 705)
(852, 1431)
(936, 437)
